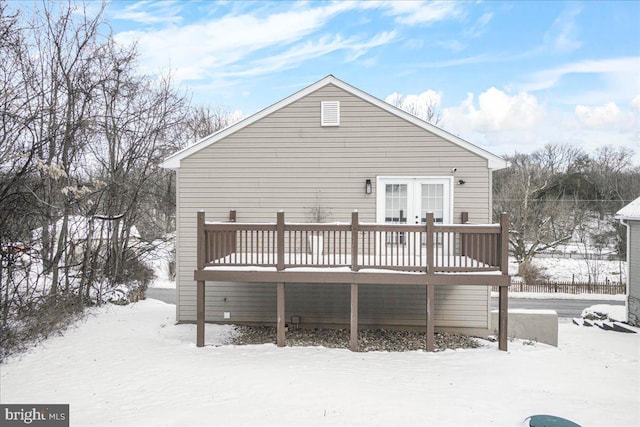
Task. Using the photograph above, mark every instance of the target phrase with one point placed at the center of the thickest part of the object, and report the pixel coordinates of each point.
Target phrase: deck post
(281, 314)
(354, 317)
(232, 235)
(503, 314)
(430, 329)
(281, 311)
(430, 332)
(354, 240)
(503, 295)
(280, 238)
(200, 314)
(464, 218)
(504, 243)
(200, 242)
(430, 247)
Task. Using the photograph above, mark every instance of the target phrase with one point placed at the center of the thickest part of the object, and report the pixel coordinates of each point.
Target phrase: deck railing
(428, 247)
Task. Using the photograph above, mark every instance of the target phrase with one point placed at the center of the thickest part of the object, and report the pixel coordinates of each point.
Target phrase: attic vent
(330, 113)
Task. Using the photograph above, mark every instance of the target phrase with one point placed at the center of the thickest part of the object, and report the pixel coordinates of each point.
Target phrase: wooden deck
(353, 254)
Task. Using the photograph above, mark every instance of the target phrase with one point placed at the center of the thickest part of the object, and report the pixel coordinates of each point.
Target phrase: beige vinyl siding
(456, 306)
(288, 161)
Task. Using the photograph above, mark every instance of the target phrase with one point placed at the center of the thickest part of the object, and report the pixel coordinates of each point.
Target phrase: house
(630, 217)
(319, 155)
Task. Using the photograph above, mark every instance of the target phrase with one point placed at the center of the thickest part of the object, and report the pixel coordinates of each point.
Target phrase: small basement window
(330, 113)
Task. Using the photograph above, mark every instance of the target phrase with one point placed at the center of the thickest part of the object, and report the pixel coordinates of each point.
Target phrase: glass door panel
(396, 209)
(395, 206)
(432, 200)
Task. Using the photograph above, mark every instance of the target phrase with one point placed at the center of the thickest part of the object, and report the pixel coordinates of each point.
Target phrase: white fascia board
(173, 162)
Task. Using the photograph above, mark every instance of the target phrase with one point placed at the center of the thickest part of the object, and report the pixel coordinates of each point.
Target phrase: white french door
(406, 200)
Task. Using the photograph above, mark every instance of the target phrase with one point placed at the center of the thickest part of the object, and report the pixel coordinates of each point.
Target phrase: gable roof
(173, 161)
(631, 211)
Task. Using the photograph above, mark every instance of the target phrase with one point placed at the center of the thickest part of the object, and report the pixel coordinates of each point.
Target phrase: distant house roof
(173, 161)
(631, 211)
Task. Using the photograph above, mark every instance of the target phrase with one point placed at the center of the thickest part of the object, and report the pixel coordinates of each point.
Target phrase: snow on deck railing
(425, 247)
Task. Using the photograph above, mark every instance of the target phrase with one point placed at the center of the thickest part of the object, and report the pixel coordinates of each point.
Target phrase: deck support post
(280, 241)
(281, 308)
(354, 240)
(201, 260)
(430, 242)
(200, 314)
(430, 328)
(503, 298)
(430, 332)
(503, 310)
(464, 219)
(354, 317)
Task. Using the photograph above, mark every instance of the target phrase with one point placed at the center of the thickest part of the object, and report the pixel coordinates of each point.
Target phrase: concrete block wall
(536, 325)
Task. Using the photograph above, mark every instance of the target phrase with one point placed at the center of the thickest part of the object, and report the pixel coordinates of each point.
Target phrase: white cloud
(452, 45)
(421, 12)
(562, 35)
(254, 40)
(150, 12)
(495, 111)
(549, 78)
(604, 116)
(504, 123)
(214, 47)
(477, 29)
(304, 51)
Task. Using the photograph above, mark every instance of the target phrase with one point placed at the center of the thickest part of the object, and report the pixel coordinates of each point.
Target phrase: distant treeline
(82, 132)
(561, 193)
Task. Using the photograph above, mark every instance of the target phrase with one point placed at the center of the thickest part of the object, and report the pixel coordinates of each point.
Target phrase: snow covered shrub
(37, 319)
(138, 276)
(530, 273)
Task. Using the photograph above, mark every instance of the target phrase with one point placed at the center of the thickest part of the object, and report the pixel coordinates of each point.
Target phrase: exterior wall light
(367, 186)
(461, 182)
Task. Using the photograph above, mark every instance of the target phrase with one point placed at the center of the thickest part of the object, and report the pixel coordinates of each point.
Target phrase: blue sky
(505, 75)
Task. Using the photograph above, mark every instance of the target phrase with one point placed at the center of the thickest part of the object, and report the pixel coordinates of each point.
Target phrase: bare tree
(199, 122)
(612, 171)
(559, 194)
(539, 221)
(425, 106)
(203, 121)
(138, 119)
(81, 134)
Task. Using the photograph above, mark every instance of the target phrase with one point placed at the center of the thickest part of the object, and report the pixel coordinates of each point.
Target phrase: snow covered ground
(560, 295)
(566, 269)
(158, 259)
(131, 365)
